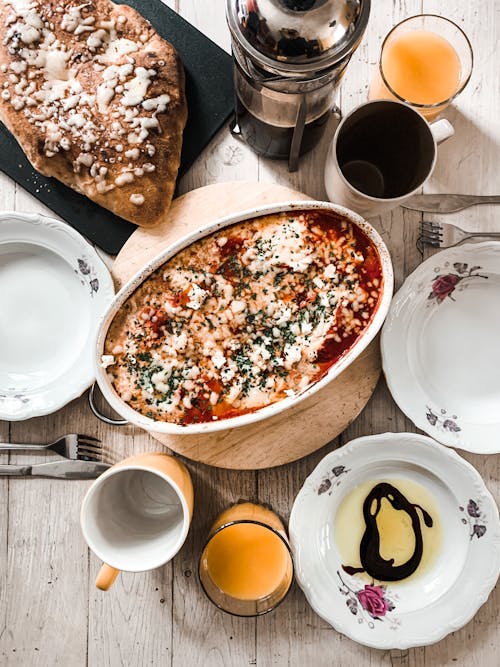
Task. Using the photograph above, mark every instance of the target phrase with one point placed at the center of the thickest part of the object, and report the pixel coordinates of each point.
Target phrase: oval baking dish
(291, 265)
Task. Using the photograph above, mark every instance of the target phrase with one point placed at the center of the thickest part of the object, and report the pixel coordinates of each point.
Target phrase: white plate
(441, 347)
(54, 290)
(424, 608)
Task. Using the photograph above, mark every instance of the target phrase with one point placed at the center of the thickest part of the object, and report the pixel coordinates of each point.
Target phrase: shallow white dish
(53, 291)
(127, 290)
(440, 347)
(427, 607)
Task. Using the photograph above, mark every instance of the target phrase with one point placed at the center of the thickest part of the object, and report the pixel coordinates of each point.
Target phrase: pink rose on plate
(372, 599)
(444, 286)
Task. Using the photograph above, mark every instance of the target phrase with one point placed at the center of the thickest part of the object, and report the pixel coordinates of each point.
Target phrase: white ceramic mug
(136, 516)
(381, 154)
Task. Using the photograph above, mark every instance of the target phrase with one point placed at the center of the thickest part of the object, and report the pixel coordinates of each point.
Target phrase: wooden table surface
(50, 612)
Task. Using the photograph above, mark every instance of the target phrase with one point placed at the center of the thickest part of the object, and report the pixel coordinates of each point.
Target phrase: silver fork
(71, 446)
(445, 235)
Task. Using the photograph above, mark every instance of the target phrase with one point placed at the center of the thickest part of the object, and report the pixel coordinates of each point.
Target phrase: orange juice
(246, 567)
(421, 67)
(247, 561)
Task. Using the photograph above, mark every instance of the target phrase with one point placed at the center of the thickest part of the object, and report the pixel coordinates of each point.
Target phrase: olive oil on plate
(388, 530)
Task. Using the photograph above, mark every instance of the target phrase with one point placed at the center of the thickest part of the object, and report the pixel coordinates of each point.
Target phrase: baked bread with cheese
(95, 97)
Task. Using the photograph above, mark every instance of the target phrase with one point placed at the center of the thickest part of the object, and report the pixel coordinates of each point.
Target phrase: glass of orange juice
(425, 61)
(246, 566)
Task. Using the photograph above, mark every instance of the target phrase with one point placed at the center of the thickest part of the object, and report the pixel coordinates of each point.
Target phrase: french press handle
(298, 133)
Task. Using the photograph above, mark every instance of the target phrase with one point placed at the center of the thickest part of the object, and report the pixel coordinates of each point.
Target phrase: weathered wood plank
(7, 202)
(211, 20)
(163, 617)
(468, 163)
(46, 560)
(4, 545)
(293, 634)
(47, 563)
(132, 623)
(203, 635)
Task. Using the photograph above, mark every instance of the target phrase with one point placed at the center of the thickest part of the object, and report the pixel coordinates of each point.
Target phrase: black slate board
(209, 91)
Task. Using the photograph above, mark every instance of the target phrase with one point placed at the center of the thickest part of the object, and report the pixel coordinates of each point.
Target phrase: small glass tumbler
(246, 566)
(425, 61)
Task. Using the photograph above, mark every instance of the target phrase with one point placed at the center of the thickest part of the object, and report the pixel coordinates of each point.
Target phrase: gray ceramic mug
(382, 153)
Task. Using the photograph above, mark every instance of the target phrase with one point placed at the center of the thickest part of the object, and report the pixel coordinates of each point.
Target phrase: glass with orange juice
(425, 61)
(246, 567)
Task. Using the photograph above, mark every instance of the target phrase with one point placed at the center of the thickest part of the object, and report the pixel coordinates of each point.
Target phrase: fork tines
(431, 233)
(89, 448)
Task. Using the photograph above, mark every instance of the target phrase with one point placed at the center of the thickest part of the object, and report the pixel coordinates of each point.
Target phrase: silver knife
(61, 469)
(447, 203)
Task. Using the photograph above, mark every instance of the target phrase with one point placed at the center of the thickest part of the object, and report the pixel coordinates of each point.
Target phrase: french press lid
(299, 36)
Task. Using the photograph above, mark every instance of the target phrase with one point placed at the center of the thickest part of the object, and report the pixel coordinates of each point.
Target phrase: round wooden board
(296, 432)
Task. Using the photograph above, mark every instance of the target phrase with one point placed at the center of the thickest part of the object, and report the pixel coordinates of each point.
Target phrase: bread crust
(95, 98)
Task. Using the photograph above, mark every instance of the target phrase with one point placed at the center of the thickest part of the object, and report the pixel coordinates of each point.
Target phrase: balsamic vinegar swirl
(371, 560)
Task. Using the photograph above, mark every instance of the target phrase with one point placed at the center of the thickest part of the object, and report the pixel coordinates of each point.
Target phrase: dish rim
(61, 396)
(273, 409)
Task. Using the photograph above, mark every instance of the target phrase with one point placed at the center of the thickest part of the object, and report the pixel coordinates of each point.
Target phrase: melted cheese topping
(244, 317)
(43, 84)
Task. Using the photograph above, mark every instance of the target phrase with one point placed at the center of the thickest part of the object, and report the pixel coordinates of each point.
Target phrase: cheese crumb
(218, 359)
(197, 296)
(330, 271)
(107, 360)
(136, 199)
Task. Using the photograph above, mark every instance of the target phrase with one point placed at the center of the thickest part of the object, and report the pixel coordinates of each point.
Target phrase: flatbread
(95, 97)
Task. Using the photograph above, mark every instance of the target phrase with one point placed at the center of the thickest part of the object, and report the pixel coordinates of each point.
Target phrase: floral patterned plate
(53, 291)
(428, 605)
(441, 347)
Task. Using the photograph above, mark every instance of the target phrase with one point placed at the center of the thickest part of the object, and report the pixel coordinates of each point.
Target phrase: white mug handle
(442, 130)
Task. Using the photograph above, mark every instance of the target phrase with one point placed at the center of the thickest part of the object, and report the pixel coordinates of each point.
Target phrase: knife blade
(447, 203)
(64, 469)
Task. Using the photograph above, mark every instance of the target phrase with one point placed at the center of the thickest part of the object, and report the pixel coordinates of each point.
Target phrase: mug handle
(106, 577)
(442, 130)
